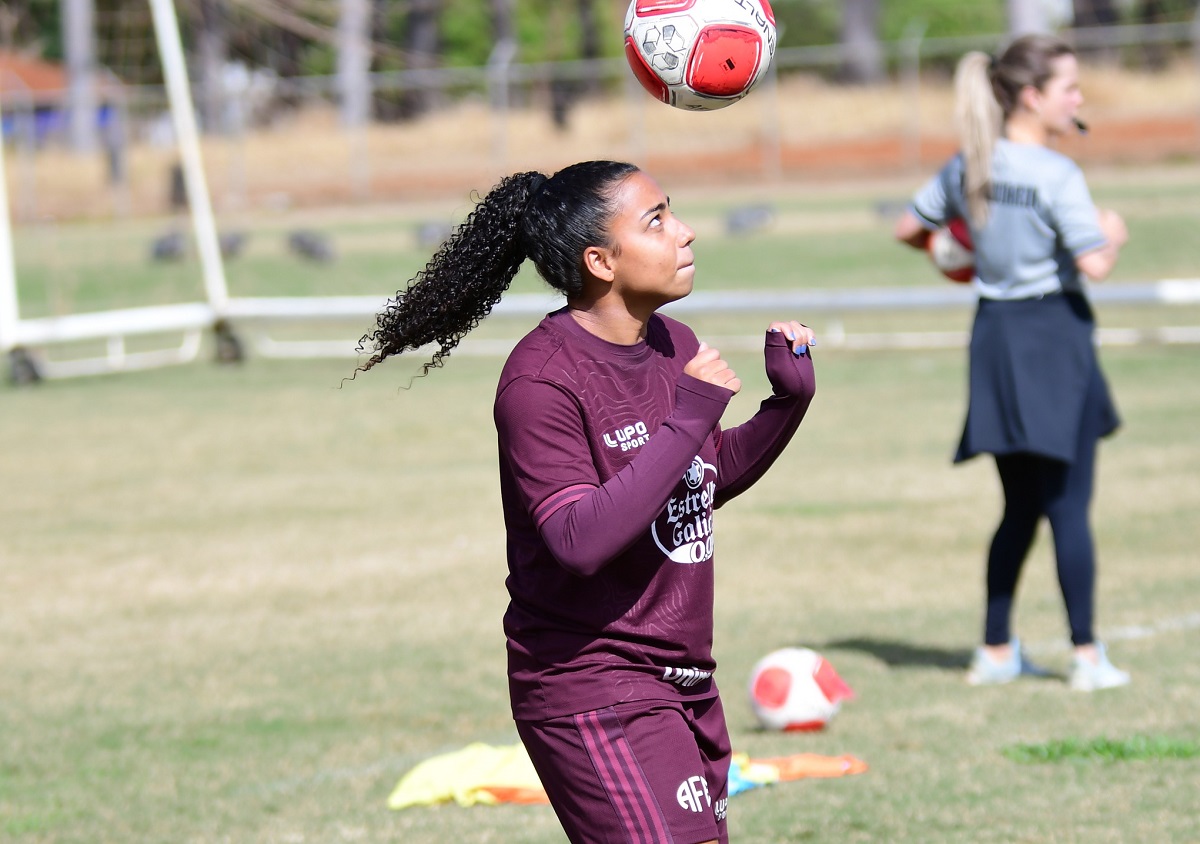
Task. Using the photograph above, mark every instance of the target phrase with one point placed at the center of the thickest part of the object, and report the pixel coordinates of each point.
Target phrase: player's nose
(686, 234)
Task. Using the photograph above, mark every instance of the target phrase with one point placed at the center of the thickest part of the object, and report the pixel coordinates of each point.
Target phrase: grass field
(238, 603)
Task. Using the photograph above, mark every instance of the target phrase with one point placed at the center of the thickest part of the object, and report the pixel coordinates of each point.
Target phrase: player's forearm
(1098, 263)
(909, 230)
(589, 533)
(746, 452)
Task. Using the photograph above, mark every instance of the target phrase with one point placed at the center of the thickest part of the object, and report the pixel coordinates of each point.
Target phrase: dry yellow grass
(240, 604)
(806, 126)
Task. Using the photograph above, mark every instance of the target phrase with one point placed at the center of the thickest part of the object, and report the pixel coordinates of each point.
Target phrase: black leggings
(1037, 486)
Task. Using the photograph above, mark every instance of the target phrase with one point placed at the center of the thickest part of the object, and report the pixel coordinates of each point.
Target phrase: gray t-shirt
(1040, 218)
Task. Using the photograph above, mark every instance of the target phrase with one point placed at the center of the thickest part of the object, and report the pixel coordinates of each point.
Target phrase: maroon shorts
(645, 772)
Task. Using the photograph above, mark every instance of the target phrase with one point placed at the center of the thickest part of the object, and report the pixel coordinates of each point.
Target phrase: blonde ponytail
(980, 119)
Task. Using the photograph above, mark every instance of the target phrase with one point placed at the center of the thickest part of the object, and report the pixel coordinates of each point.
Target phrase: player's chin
(679, 289)
(685, 278)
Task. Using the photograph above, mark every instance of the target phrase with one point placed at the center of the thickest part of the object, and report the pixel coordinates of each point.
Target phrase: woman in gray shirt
(1038, 401)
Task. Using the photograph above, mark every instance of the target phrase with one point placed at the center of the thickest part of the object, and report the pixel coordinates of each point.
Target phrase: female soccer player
(1038, 401)
(612, 461)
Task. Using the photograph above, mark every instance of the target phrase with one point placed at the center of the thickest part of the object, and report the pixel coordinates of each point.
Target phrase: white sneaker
(985, 671)
(1088, 676)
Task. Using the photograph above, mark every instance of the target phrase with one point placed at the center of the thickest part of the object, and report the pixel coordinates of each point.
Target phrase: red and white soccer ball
(952, 252)
(699, 55)
(795, 689)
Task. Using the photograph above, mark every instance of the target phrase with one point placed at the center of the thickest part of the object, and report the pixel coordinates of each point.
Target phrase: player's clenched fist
(708, 366)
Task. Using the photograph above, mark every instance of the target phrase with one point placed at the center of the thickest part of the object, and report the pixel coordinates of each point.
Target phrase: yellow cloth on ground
(486, 774)
(479, 773)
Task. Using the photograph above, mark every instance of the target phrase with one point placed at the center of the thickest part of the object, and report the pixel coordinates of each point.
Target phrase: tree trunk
(1096, 13)
(421, 44)
(79, 45)
(1152, 12)
(212, 47)
(862, 57)
(589, 41)
(502, 20)
(354, 62)
(1026, 16)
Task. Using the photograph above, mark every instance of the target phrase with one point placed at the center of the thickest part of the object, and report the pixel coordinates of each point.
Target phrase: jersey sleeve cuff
(1090, 246)
(703, 393)
(924, 219)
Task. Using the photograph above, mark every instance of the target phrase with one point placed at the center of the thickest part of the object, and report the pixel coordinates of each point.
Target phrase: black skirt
(1035, 381)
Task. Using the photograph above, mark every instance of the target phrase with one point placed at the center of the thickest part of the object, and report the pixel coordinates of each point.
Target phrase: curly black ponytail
(552, 221)
(462, 281)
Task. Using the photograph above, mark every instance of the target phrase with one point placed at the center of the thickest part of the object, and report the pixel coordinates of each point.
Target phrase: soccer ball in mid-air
(952, 252)
(795, 689)
(699, 55)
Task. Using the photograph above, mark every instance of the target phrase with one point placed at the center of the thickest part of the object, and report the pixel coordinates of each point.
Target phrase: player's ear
(598, 262)
(1030, 98)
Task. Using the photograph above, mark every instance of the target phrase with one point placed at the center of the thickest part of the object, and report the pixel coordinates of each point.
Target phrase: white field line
(1127, 633)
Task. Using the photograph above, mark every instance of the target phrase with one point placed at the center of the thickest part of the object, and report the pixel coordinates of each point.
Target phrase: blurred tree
(79, 38)
(10, 19)
(566, 92)
(421, 47)
(212, 49)
(943, 18)
(1095, 12)
(503, 28)
(1025, 16)
(862, 57)
(1152, 12)
(34, 26)
(354, 61)
(467, 32)
(804, 23)
(590, 42)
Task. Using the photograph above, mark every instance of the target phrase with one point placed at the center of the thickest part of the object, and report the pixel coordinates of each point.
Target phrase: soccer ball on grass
(795, 689)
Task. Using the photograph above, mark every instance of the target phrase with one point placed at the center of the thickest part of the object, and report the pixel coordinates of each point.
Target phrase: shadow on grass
(905, 655)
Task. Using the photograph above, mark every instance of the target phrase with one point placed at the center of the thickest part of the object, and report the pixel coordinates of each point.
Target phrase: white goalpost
(8, 268)
(18, 336)
(183, 116)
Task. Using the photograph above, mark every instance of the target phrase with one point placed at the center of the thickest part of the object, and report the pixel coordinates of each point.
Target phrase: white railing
(254, 318)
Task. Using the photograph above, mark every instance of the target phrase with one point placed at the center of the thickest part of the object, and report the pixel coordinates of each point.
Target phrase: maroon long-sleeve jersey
(612, 462)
